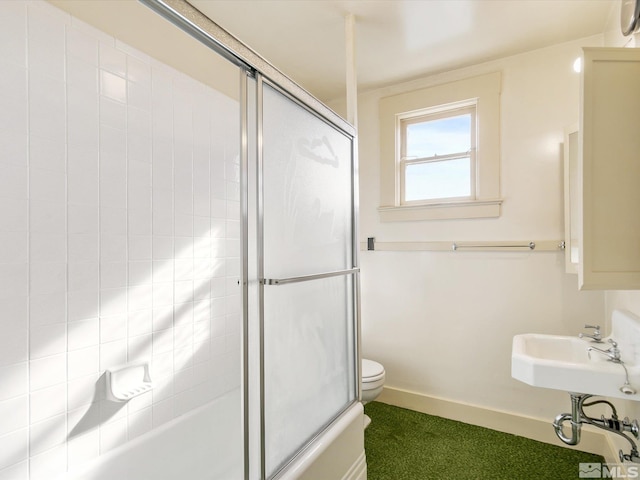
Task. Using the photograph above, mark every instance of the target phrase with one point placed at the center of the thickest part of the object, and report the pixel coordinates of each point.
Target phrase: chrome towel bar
(304, 278)
(530, 246)
(515, 246)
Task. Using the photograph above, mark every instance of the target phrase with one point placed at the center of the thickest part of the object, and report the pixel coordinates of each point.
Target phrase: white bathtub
(206, 444)
(203, 444)
(337, 454)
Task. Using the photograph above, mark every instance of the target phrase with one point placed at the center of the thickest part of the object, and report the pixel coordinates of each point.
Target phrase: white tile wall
(119, 240)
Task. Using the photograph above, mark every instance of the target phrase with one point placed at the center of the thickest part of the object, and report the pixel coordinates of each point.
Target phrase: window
(440, 151)
(437, 155)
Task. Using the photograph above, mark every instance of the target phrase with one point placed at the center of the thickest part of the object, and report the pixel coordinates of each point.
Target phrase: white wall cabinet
(607, 211)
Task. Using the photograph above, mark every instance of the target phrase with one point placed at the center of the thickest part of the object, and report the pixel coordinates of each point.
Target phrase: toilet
(372, 382)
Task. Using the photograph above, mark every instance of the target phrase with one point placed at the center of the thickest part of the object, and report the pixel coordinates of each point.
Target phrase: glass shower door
(309, 374)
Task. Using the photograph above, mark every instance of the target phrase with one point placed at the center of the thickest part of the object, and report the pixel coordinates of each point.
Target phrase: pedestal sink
(565, 363)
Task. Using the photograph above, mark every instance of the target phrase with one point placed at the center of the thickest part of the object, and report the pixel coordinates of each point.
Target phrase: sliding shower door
(309, 372)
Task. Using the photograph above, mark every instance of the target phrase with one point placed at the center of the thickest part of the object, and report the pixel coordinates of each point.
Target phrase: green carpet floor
(405, 445)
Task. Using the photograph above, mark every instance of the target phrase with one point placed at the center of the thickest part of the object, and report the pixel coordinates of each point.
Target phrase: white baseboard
(592, 439)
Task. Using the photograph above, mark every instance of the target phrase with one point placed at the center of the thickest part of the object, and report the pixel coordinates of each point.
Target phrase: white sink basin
(563, 363)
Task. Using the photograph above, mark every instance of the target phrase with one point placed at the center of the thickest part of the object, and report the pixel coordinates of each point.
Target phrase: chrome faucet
(613, 353)
(597, 335)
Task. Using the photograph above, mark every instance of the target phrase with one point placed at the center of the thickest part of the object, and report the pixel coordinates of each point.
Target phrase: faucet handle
(596, 337)
(615, 351)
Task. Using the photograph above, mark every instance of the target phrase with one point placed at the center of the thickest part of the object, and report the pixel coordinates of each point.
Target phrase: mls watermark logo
(590, 470)
(607, 470)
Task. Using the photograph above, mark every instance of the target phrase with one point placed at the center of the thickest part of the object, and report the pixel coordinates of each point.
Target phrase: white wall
(442, 322)
(119, 233)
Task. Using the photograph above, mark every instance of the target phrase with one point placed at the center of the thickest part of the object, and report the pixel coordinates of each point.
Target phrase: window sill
(441, 211)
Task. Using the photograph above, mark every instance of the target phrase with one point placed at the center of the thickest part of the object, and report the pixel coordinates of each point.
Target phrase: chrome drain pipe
(578, 417)
(574, 417)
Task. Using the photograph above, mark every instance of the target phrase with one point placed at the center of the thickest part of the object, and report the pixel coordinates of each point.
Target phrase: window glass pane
(439, 137)
(445, 179)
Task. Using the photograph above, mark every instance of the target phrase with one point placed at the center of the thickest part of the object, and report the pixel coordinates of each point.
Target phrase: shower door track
(185, 16)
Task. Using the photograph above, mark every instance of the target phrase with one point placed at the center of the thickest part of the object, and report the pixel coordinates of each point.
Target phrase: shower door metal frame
(195, 23)
(354, 271)
(185, 16)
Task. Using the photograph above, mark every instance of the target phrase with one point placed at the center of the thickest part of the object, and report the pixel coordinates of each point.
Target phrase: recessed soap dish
(128, 381)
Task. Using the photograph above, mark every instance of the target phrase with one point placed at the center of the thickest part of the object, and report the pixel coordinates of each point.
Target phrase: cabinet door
(609, 240)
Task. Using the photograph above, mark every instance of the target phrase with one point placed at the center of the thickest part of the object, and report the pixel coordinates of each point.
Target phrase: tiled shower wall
(119, 240)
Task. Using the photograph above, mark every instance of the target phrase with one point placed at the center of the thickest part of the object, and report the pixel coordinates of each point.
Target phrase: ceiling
(398, 40)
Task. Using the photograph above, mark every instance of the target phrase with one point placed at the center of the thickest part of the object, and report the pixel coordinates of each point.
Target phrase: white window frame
(428, 115)
(484, 91)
